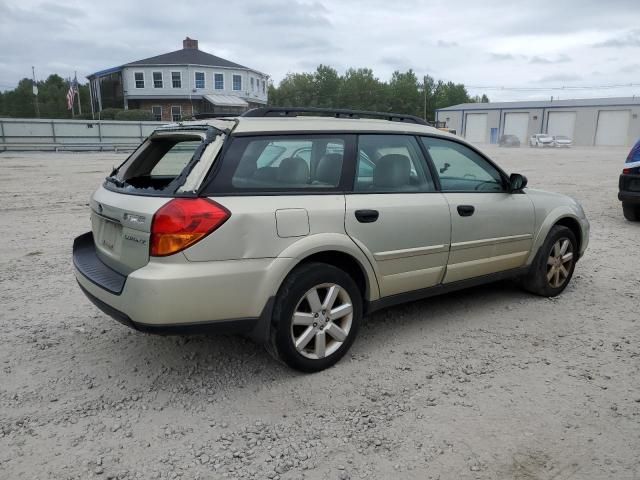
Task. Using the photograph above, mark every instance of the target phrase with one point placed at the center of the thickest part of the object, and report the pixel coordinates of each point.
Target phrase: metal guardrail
(40, 134)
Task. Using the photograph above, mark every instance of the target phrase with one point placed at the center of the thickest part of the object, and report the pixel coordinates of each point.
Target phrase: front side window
(157, 79)
(461, 169)
(218, 81)
(276, 163)
(237, 82)
(176, 113)
(200, 83)
(391, 163)
(139, 79)
(156, 111)
(176, 79)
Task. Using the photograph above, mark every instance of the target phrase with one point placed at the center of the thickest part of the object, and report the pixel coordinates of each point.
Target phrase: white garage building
(589, 121)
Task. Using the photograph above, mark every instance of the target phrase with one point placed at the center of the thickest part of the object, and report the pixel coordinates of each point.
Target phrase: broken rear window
(162, 163)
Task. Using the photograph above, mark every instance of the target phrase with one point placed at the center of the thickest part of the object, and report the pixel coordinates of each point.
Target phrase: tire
(540, 280)
(631, 212)
(299, 344)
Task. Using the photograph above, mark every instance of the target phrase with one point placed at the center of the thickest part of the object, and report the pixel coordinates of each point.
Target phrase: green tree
(361, 90)
(404, 93)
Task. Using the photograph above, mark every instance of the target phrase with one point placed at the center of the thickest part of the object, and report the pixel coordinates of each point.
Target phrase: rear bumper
(180, 297)
(629, 189)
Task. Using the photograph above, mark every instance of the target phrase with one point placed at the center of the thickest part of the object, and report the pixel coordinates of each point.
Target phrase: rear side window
(461, 169)
(283, 163)
(391, 163)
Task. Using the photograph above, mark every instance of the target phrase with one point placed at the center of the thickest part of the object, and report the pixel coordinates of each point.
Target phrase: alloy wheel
(559, 262)
(322, 321)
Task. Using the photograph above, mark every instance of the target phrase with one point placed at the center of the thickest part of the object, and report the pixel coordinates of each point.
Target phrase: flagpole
(75, 74)
(35, 91)
(73, 104)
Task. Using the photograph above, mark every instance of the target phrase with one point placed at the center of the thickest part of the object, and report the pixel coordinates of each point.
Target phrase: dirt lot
(481, 384)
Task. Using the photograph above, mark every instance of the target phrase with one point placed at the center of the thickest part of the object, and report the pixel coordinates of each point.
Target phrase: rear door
(396, 216)
(491, 229)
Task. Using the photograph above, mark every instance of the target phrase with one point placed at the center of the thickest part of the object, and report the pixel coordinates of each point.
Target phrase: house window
(176, 113)
(157, 79)
(237, 82)
(156, 111)
(252, 84)
(139, 78)
(200, 80)
(218, 81)
(176, 79)
(263, 86)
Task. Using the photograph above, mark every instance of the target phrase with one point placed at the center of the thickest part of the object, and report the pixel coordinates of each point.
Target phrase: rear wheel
(631, 212)
(316, 317)
(552, 269)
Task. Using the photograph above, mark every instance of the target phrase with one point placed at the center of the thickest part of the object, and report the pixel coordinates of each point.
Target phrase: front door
(396, 216)
(491, 228)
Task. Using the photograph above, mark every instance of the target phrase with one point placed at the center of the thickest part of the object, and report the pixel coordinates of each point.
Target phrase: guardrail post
(53, 131)
(140, 125)
(2, 135)
(100, 131)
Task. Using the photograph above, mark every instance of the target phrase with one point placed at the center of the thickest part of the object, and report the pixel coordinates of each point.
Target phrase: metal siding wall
(74, 132)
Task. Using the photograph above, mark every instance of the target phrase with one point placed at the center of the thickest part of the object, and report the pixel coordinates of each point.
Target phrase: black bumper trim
(249, 326)
(88, 263)
(629, 197)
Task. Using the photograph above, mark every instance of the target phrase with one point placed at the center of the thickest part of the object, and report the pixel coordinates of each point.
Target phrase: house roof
(577, 102)
(187, 56)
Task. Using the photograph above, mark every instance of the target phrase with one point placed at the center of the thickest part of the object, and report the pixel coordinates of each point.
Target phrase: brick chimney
(190, 43)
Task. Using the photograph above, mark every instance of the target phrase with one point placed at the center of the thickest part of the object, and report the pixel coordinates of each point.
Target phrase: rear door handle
(466, 210)
(367, 216)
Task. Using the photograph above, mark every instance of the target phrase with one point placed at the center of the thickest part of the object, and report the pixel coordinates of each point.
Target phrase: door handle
(466, 210)
(367, 216)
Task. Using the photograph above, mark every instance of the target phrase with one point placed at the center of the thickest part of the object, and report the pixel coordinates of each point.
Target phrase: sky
(523, 44)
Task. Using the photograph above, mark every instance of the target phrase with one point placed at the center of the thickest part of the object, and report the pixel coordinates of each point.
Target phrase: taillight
(626, 171)
(184, 221)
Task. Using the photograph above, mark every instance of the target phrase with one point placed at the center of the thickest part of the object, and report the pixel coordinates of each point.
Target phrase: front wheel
(553, 266)
(316, 317)
(631, 212)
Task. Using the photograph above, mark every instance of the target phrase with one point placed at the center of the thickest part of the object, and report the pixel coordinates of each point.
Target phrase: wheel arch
(574, 225)
(337, 250)
(563, 216)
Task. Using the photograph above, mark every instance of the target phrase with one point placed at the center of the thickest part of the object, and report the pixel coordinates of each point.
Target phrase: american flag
(71, 94)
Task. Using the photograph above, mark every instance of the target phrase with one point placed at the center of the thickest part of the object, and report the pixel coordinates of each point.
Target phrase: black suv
(629, 185)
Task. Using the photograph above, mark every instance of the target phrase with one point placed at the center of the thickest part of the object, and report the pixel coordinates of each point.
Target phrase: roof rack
(335, 112)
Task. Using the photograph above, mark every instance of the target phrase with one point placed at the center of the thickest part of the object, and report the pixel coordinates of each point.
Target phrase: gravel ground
(482, 384)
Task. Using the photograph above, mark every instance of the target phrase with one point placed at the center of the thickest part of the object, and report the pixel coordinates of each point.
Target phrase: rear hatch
(171, 163)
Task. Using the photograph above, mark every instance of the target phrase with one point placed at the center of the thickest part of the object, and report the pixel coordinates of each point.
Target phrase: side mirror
(517, 182)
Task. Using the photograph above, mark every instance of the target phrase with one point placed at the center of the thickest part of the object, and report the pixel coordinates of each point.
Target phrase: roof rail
(204, 116)
(335, 112)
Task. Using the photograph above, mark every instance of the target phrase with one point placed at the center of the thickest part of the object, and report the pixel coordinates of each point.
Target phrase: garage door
(561, 123)
(517, 124)
(613, 127)
(476, 127)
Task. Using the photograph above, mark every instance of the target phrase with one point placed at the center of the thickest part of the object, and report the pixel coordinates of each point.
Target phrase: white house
(179, 84)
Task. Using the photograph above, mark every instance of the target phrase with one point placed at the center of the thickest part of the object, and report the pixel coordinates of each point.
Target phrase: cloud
(629, 39)
(548, 61)
(445, 44)
(560, 77)
(290, 13)
(501, 57)
(633, 68)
